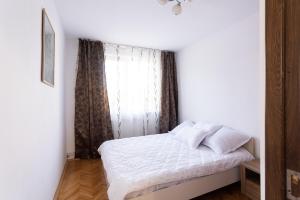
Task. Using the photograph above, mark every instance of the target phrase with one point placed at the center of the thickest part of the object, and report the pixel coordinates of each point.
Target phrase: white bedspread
(134, 164)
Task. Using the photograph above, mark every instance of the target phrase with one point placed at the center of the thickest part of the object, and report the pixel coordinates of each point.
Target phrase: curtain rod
(125, 45)
(130, 46)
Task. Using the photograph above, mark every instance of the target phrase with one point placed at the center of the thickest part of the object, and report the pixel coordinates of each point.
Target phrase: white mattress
(135, 166)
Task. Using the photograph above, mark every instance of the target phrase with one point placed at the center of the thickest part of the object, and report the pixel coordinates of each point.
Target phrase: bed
(159, 167)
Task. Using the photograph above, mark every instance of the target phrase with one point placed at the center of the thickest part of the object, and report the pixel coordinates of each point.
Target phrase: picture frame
(48, 51)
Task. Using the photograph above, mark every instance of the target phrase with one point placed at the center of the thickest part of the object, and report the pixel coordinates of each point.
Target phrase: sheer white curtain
(133, 77)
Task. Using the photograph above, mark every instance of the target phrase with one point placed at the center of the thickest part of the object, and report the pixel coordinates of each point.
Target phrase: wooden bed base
(195, 187)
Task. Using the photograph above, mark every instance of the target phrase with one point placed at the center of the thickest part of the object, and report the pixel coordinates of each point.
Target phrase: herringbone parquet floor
(84, 180)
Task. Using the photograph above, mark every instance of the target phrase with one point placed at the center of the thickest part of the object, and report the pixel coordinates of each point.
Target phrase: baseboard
(71, 155)
(56, 195)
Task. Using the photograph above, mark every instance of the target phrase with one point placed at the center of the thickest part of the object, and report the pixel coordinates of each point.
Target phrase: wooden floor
(84, 180)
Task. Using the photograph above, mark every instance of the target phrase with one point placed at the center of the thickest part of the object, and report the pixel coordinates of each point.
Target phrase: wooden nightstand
(250, 179)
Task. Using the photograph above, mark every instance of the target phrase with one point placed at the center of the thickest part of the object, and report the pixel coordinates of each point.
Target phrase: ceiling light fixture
(177, 8)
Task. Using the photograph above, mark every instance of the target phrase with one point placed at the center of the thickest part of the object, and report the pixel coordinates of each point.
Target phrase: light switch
(293, 185)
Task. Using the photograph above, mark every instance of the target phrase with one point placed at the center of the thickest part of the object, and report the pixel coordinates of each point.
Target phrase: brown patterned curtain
(92, 114)
(169, 97)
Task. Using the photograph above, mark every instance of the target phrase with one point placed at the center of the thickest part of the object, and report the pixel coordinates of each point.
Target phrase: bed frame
(198, 186)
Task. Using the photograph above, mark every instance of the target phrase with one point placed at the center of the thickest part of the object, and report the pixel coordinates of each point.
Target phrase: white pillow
(226, 140)
(191, 136)
(182, 125)
(208, 127)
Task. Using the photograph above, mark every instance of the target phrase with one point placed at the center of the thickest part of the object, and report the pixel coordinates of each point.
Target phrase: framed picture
(48, 50)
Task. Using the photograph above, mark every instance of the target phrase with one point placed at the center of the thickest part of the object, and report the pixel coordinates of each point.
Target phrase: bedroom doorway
(283, 99)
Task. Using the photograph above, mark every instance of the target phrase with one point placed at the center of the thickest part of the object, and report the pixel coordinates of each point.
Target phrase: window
(133, 77)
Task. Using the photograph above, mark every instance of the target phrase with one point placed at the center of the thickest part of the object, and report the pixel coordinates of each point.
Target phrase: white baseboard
(70, 156)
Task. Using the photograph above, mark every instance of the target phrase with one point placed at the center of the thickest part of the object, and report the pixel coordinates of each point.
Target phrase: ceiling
(146, 23)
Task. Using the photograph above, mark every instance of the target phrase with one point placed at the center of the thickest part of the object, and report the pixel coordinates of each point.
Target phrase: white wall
(221, 80)
(262, 53)
(32, 137)
(71, 52)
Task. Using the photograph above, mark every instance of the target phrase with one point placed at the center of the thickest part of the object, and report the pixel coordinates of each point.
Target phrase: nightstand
(250, 179)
